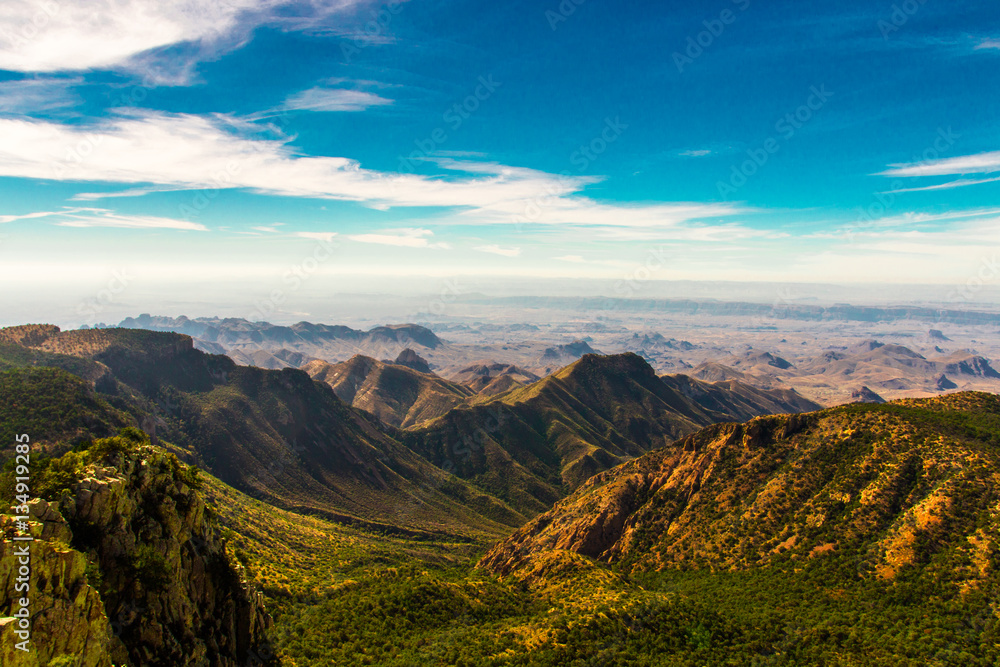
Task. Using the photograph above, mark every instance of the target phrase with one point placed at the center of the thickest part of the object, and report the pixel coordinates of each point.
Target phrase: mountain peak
(626, 363)
(865, 395)
(407, 334)
(411, 359)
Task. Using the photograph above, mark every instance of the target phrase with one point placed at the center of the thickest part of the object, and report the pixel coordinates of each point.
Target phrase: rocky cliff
(128, 567)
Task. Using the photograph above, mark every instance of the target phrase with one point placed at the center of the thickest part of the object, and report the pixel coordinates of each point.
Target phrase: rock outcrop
(411, 359)
(865, 395)
(128, 567)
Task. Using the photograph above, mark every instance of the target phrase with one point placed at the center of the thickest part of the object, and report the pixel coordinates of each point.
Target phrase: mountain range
(612, 510)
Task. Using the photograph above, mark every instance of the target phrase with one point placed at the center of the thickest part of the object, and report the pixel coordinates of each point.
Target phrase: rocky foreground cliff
(128, 567)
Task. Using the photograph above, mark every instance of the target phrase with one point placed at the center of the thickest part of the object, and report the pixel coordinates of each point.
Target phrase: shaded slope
(533, 444)
(911, 484)
(738, 401)
(278, 435)
(396, 394)
(490, 378)
(55, 408)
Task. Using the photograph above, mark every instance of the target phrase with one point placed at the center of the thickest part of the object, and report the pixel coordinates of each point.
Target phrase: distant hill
(890, 370)
(490, 378)
(744, 309)
(320, 341)
(531, 445)
(396, 394)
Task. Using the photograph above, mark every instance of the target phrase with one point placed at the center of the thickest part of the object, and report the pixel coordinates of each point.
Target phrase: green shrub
(150, 567)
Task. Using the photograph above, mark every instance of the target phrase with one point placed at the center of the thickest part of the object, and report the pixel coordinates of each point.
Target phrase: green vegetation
(51, 405)
(861, 535)
(818, 615)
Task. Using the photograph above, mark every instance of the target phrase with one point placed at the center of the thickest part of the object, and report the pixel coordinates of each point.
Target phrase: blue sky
(233, 139)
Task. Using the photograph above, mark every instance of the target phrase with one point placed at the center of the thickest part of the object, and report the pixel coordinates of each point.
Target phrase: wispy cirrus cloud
(315, 236)
(696, 153)
(334, 99)
(29, 216)
(405, 238)
(950, 185)
(105, 218)
(35, 95)
(147, 150)
(981, 163)
(498, 250)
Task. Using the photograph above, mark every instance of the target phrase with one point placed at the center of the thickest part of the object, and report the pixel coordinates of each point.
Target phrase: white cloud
(989, 44)
(334, 99)
(981, 163)
(407, 238)
(37, 95)
(267, 229)
(29, 216)
(961, 183)
(498, 250)
(57, 35)
(194, 152)
(571, 258)
(104, 218)
(696, 153)
(316, 236)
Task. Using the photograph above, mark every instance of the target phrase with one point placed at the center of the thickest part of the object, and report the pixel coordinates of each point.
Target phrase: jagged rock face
(166, 571)
(68, 617)
(411, 359)
(891, 484)
(573, 350)
(944, 384)
(398, 394)
(974, 366)
(168, 596)
(865, 395)
(491, 377)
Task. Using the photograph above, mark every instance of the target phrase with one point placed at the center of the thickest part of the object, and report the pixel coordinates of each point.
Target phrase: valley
(384, 514)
